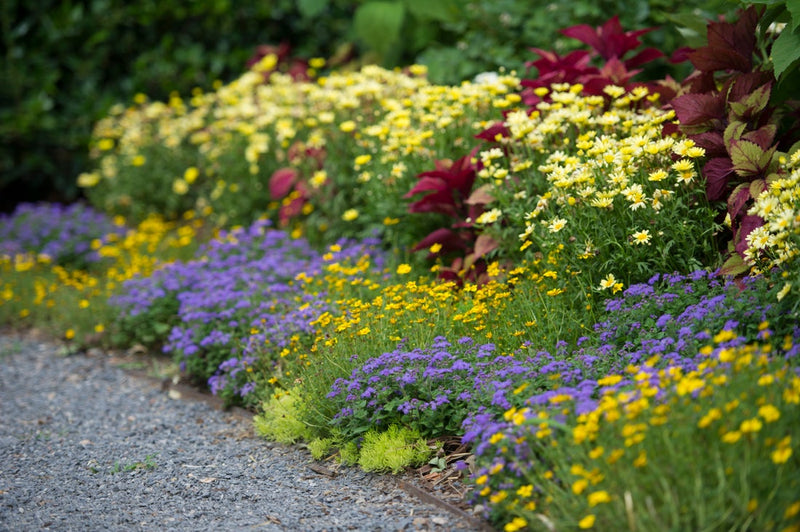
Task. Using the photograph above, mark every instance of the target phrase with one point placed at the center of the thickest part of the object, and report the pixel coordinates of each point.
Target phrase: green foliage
(321, 447)
(280, 420)
(393, 450)
(490, 34)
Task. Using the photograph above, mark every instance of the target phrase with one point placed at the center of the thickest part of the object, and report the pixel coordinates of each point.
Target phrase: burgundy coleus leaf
(447, 238)
(481, 195)
(730, 45)
(484, 245)
(447, 186)
(743, 228)
(698, 113)
(712, 59)
(281, 182)
(750, 86)
(749, 159)
(607, 40)
(718, 172)
(645, 56)
(439, 198)
(763, 136)
(738, 199)
(553, 68)
(712, 142)
(550, 62)
(749, 107)
(491, 133)
(680, 55)
(613, 72)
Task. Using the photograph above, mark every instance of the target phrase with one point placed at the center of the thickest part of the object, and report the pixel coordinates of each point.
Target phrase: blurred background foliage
(66, 62)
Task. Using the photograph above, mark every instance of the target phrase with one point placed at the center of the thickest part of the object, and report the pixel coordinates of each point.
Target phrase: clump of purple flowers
(434, 389)
(62, 232)
(464, 388)
(237, 301)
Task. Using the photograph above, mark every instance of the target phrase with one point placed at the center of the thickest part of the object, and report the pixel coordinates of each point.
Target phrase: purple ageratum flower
(64, 233)
(242, 280)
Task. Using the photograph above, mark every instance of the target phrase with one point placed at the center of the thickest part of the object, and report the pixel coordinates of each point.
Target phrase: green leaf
(794, 8)
(746, 157)
(753, 103)
(734, 266)
(785, 50)
(733, 132)
(441, 10)
(311, 8)
(378, 25)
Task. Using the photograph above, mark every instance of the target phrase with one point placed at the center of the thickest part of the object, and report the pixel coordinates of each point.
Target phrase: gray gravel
(85, 445)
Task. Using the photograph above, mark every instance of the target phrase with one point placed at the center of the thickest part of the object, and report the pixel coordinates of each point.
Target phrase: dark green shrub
(66, 62)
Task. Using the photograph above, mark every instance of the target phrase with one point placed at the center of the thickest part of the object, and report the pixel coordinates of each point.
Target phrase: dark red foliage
(727, 110)
(610, 44)
(448, 190)
(296, 67)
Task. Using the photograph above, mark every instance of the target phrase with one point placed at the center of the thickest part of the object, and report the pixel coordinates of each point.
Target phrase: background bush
(66, 62)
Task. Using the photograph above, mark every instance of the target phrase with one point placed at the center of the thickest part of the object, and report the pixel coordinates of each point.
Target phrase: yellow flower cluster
(384, 118)
(603, 162)
(775, 244)
(36, 286)
(738, 405)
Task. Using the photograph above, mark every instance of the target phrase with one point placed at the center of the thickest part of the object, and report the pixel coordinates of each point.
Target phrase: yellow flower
(525, 491)
(350, 215)
(731, 437)
(190, 175)
(596, 453)
(69, 334)
(599, 497)
(641, 237)
(403, 269)
(518, 523)
(641, 460)
(750, 425)
(363, 159)
(780, 456)
(88, 179)
(579, 485)
(556, 225)
(347, 126)
(489, 217)
(318, 179)
(792, 510)
(783, 291)
(180, 187)
(496, 437)
(586, 522)
(498, 497)
(105, 144)
(769, 413)
(609, 282)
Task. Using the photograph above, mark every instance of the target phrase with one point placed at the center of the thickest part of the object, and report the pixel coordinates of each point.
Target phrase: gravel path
(85, 445)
